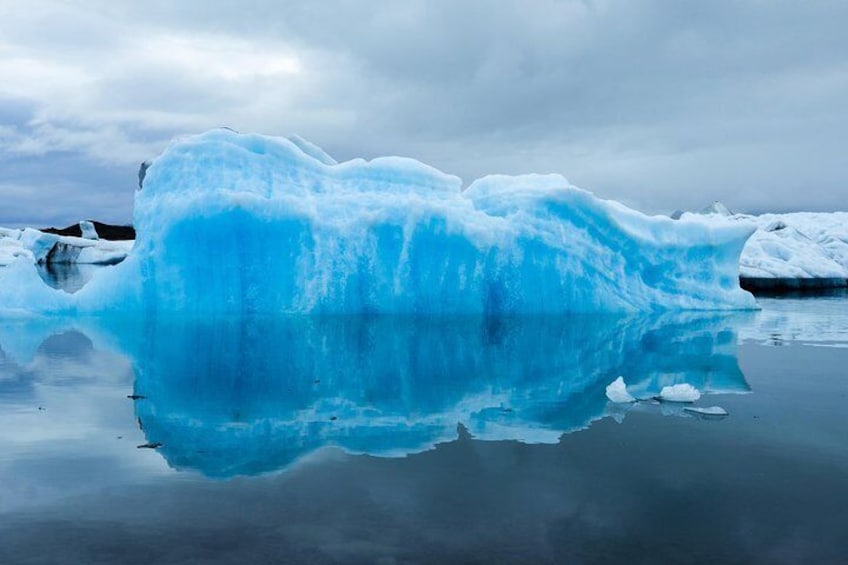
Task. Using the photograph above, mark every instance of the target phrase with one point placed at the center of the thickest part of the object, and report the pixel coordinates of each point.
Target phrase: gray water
(401, 440)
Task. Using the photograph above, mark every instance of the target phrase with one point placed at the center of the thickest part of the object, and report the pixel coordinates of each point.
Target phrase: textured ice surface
(798, 245)
(617, 392)
(11, 248)
(246, 223)
(38, 247)
(683, 392)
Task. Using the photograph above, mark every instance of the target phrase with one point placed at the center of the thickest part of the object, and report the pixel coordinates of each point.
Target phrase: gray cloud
(660, 104)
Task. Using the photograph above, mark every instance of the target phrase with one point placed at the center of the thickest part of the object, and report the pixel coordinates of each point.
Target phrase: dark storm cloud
(661, 104)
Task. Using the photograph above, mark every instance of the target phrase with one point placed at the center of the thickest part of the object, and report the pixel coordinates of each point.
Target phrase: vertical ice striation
(247, 223)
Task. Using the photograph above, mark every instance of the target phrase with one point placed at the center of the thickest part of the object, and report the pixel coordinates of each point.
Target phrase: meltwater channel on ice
(248, 224)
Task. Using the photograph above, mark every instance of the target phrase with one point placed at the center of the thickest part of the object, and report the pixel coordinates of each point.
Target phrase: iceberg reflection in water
(239, 397)
(244, 396)
(248, 396)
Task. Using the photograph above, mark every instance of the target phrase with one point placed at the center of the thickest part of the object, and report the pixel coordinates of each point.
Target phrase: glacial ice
(681, 392)
(88, 230)
(11, 248)
(617, 392)
(38, 247)
(247, 223)
(797, 245)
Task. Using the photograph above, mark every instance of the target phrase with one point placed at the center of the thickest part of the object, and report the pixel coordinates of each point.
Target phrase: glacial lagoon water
(404, 440)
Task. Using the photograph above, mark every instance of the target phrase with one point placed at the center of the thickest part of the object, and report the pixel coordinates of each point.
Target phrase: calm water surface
(398, 440)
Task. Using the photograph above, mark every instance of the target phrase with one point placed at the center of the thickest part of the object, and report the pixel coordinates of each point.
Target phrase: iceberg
(617, 392)
(11, 249)
(682, 392)
(801, 245)
(243, 224)
(47, 248)
(791, 251)
(88, 230)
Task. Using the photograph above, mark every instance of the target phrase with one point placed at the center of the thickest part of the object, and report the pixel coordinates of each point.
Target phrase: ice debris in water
(683, 392)
(232, 223)
(707, 410)
(617, 392)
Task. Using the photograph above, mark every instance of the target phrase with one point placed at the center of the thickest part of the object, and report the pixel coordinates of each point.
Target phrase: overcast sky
(660, 104)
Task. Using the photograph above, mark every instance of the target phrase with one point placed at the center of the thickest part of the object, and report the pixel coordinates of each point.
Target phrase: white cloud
(639, 101)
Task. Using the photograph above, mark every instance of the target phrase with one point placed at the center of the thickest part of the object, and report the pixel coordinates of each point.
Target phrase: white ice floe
(617, 392)
(683, 392)
(798, 245)
(39, 247)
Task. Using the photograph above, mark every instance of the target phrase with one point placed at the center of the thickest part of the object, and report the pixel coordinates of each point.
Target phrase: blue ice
(245, 224)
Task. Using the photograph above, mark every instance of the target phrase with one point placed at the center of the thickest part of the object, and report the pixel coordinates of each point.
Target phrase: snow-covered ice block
(11, 248)
(798, 245)
(105, 252)
(39, 243)
(617, 392)
(41, 247)
(683, 392)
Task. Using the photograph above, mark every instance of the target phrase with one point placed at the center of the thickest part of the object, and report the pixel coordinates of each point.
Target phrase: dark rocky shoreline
(784, 286)
(109, 232)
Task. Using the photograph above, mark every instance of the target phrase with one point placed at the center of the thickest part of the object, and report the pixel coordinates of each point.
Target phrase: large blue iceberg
(244, 224)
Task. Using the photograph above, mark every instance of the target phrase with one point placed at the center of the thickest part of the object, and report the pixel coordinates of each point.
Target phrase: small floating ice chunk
(707, 411)
(617, 392)
(683, 392)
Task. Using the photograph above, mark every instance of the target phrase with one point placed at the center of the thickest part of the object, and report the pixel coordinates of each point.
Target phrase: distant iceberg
(247, 223)
(39, 247)
(801, 245)
(790, 251)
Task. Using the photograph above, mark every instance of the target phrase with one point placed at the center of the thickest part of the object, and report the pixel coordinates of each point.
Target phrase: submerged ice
(247, 223)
